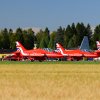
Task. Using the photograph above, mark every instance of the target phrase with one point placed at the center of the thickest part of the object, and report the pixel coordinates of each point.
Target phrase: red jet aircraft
(76, 54)
(36, 54)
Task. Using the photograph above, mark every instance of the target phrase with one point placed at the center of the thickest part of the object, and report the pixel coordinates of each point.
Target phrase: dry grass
(49, 82)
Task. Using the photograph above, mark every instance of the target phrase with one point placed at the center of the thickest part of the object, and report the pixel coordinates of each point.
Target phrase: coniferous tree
(19, 35)
(72, 42)
(59, 36)
(45, 39)
(11, 39)
(39, 37)
(67, 36)
(89, 31)
(73, 29)
(43, 43)
(31, 38)
(52, 40)
(5, 39)
(95, 37)
(81, 32)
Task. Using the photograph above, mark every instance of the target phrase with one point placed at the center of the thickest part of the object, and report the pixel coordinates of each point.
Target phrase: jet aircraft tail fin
(19, 47)
(85, 44)
(98, 45)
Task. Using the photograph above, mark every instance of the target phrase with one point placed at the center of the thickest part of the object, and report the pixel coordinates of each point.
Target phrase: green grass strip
(50, 62)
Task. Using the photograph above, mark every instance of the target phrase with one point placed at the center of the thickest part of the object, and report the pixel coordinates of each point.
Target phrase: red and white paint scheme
(75, 54)
(98, 45)
(37, 54)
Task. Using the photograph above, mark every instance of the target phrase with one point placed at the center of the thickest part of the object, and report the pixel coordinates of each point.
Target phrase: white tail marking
(98, 45)
(60, 49)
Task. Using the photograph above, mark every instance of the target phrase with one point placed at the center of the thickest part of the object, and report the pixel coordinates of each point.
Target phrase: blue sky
(48, 13)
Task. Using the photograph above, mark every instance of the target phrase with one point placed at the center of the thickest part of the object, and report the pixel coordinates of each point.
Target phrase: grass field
(49, 81)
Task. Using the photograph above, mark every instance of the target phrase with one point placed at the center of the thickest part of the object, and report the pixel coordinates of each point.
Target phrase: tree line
(69, 37)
